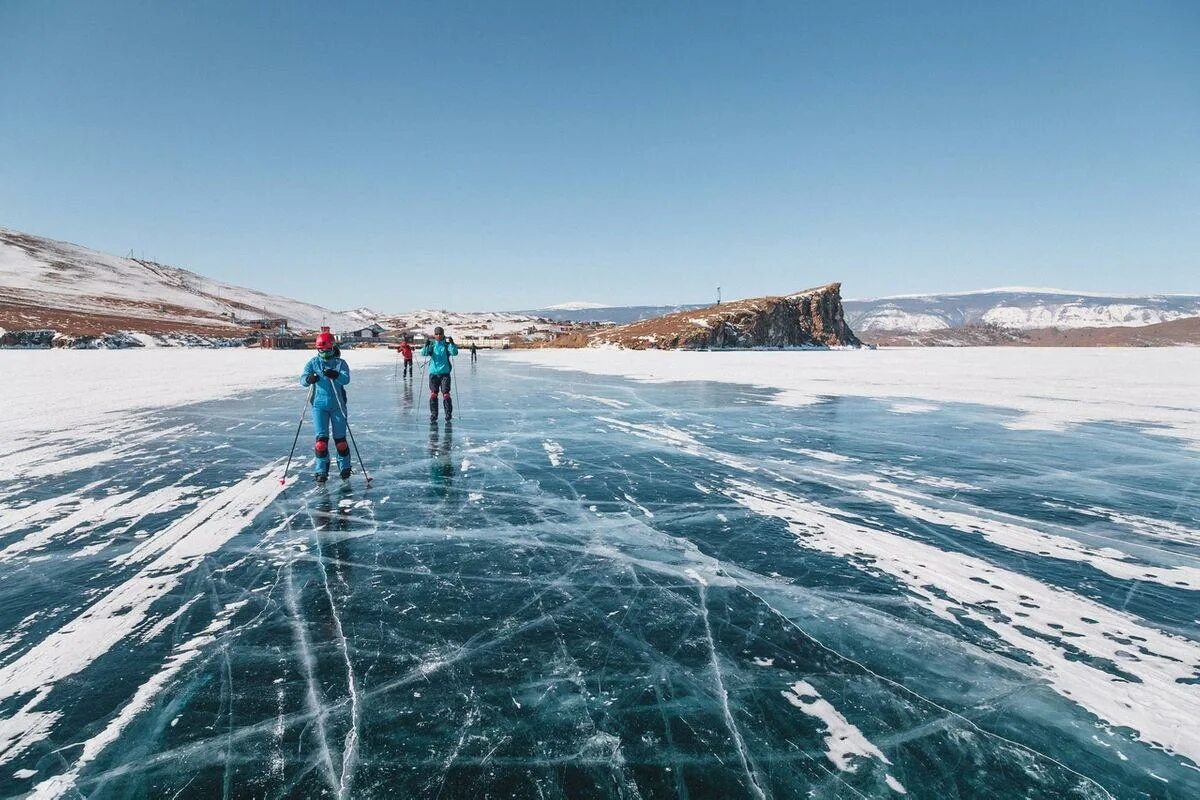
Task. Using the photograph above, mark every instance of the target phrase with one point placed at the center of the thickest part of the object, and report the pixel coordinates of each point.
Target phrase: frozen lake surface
(596, 587)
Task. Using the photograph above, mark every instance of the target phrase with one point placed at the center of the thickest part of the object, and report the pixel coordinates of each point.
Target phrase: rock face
(812, 318)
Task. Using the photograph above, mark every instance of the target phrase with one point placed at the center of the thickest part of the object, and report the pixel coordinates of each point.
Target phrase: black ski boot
(321, 477)
(345, 474)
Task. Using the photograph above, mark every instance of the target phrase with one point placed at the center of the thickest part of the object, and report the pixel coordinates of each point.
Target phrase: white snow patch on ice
(183, 653)
(935, 481)
(1155, 704)
(554, 452)
(171, 554)
(1163, 529)
(844, 742)
(821, 455)
(1014, 536)
(1154, 388)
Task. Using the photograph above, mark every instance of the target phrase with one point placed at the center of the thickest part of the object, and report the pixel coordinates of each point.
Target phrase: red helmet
(325, 340)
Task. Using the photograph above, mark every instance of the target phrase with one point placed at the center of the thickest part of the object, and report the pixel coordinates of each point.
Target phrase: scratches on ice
(180, 657)
(1107, 661)
(171, 554)
(1147, 691)
(313, 699)
(12, 516)
(604, 401)
(630, 498)
(681, 439)
(1024, 539)
(753, 780)
(1000, 529)
(94, 512)
(350, 745)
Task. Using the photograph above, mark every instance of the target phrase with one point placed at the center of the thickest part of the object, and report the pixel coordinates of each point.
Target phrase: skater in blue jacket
(328, 374)
(439, 350)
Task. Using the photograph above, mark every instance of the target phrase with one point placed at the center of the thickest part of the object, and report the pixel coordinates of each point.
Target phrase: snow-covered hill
(39, 276)
(1016, 308)
(576, 305)
(461, 324)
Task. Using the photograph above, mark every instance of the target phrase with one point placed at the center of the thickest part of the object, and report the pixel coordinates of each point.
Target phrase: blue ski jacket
(439, 354)
(323, 396)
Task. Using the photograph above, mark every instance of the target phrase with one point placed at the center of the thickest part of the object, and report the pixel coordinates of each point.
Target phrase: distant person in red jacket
(406, 352)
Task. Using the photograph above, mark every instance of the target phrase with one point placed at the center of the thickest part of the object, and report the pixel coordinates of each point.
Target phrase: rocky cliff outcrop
(812, 318)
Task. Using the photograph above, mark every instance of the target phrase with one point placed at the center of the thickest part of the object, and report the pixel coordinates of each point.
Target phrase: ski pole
(346, 416)
(303, 413)
(358, 454)
(423, 365)
(453, 383)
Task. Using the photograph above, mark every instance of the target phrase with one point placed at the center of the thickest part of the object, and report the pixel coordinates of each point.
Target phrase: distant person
(474, 353)
(439, 351)
(328, 374)
(406, 353)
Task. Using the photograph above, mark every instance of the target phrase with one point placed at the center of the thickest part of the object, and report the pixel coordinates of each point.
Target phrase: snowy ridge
(461, 324)
(1018, 308)
(1004, 290)
(49, 274)
(576, 305)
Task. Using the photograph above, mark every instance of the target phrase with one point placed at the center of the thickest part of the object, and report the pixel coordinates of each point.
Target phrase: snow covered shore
(1152, 388)
(64, 390)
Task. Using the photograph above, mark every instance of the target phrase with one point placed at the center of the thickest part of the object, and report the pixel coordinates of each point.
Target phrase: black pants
(408, 369)
(440, 383)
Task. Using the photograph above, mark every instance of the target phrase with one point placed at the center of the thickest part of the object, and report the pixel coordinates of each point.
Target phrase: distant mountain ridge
(618, 315)
(1177, 332)
(47, 284)
(1016, 308)
(576, 305)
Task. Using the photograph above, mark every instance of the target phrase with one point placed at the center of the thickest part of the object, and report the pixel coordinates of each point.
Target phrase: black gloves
(450, 339)
(332, 374)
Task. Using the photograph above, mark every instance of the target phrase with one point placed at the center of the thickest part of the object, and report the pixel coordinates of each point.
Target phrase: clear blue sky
(510, 155)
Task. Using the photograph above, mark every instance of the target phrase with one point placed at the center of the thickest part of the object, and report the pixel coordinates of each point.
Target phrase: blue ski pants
(323, 421)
